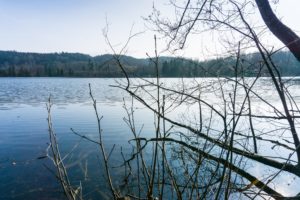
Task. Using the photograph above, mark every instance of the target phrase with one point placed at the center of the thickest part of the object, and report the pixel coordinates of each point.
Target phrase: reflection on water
(62, 90)
(24, 134)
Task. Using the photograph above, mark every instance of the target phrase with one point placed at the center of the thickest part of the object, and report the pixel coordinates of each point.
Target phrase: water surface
(24, 134)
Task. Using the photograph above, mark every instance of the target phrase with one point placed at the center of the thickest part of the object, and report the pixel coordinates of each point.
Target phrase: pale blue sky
(76, 25)
(68, 25)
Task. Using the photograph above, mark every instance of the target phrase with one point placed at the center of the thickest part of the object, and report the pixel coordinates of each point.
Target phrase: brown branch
(281, 31)
(259, 184)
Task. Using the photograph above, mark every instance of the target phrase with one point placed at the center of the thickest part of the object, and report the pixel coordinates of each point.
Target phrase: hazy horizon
(76, 26)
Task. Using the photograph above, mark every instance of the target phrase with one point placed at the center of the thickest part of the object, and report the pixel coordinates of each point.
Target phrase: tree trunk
(281, 31)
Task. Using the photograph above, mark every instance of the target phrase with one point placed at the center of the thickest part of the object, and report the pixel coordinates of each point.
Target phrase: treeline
(66, 65)
(16, 64)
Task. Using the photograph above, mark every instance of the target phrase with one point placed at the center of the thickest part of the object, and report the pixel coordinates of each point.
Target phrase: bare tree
(228, 124)
(281, 31)
(232, 16)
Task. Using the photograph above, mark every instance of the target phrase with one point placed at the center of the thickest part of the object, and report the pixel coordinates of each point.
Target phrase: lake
(24, 133)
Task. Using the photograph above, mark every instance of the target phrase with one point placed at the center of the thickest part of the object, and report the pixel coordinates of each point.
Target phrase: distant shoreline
(18, 64)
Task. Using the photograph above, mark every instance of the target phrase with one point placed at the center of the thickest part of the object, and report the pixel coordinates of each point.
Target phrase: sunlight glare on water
(24, 131)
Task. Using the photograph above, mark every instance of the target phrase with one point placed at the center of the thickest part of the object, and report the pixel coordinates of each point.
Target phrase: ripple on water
(24, 134)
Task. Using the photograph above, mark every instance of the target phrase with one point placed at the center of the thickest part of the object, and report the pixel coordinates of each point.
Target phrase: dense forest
(15, 64)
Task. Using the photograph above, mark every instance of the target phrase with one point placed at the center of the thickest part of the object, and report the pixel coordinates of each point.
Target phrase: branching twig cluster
(226, 126)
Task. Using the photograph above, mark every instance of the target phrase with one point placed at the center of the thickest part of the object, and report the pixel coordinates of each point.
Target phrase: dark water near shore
(24, 134)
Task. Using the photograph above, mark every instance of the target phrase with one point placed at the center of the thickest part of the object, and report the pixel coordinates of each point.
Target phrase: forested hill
(81, 65)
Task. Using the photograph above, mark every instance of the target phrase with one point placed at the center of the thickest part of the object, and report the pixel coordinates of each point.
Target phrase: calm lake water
(24, 133)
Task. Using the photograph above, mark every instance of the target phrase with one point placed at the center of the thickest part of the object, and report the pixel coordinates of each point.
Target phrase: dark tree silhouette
(288, 37)
(226, 125)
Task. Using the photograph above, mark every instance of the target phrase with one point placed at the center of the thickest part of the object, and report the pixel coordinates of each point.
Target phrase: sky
(76, 25)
